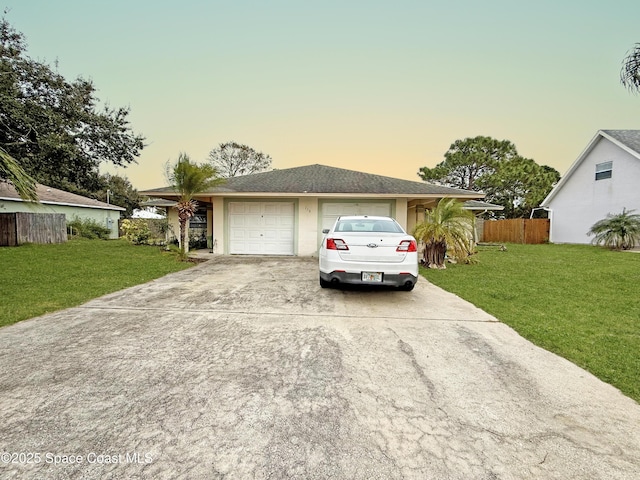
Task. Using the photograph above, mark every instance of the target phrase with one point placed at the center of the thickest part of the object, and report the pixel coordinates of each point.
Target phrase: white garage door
(261, 228)
(331, 211)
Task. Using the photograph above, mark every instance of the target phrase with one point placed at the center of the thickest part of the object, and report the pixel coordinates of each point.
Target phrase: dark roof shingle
(323, 179)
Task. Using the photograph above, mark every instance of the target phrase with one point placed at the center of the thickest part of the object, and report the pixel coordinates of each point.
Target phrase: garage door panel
(244, 220)
(382, 209)
(337, 209)
(277, 235)
(236, 221)
(244, 208)
(286, 222)
(271, 221)
(275, 209)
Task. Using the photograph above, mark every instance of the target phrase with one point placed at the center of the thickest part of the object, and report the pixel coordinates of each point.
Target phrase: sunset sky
(378, 86)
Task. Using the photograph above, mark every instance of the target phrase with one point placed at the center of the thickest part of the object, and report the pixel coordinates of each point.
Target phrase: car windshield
(367, 225)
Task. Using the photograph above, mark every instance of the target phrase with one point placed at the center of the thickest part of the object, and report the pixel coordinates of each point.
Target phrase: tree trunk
(184, 243)
(185, 212)
(434, 254)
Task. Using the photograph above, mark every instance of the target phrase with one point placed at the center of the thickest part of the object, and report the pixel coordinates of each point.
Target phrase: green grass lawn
(37, 279)
(579, 301)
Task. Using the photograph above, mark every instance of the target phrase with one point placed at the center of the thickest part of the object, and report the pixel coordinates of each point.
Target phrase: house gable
(602, 180)
(627, 140)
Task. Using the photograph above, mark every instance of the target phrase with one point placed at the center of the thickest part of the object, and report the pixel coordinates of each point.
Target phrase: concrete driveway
(244, 368)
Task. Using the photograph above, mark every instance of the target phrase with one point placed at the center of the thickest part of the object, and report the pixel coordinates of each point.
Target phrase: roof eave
(64, 204)
(322, 195)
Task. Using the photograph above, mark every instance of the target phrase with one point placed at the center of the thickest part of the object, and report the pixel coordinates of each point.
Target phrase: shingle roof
(52, 195)
(323, 179)
(630, 138)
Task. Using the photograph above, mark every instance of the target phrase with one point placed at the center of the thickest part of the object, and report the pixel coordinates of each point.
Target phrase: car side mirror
(325, 230)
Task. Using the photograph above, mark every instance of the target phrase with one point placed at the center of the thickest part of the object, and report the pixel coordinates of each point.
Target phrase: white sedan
(368, 250)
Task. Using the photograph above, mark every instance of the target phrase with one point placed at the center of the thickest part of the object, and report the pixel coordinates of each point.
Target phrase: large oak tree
(233, 159)
(55, 130)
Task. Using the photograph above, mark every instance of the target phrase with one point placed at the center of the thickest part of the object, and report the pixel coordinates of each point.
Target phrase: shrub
(197, 240)
(145, 231)
(617, 232)
(159, 227)
(137, 230)
(447, 232)
(88, 228)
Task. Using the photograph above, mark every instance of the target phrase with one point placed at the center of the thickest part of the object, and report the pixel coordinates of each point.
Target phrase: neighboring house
(283, 212)
(52, 200)
(604, 179)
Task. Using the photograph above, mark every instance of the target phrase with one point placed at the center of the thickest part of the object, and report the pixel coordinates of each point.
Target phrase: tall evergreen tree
(468, 160)
(494, 167)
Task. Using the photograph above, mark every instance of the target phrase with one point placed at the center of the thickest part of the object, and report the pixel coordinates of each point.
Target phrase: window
(368, 225)
(603, 170)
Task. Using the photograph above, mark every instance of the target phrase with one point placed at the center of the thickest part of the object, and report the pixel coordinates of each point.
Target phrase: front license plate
(372, 276)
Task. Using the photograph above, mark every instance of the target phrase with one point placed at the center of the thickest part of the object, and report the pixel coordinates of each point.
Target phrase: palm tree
(188, 179)
(618, 232)
(448, 227)
(630, 73)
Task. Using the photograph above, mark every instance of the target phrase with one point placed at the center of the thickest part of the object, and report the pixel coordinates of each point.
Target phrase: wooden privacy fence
(517, 230)
(21, 227)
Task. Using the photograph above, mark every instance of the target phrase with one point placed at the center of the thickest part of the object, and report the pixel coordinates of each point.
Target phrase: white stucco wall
(308, 226)
(401, 213)
(218, 224)
(108, 218)
(582, 200)
(174, 224)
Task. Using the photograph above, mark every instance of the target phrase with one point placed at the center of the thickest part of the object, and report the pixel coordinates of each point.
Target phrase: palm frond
(188, 178)
(630, 73)
(24, 184)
